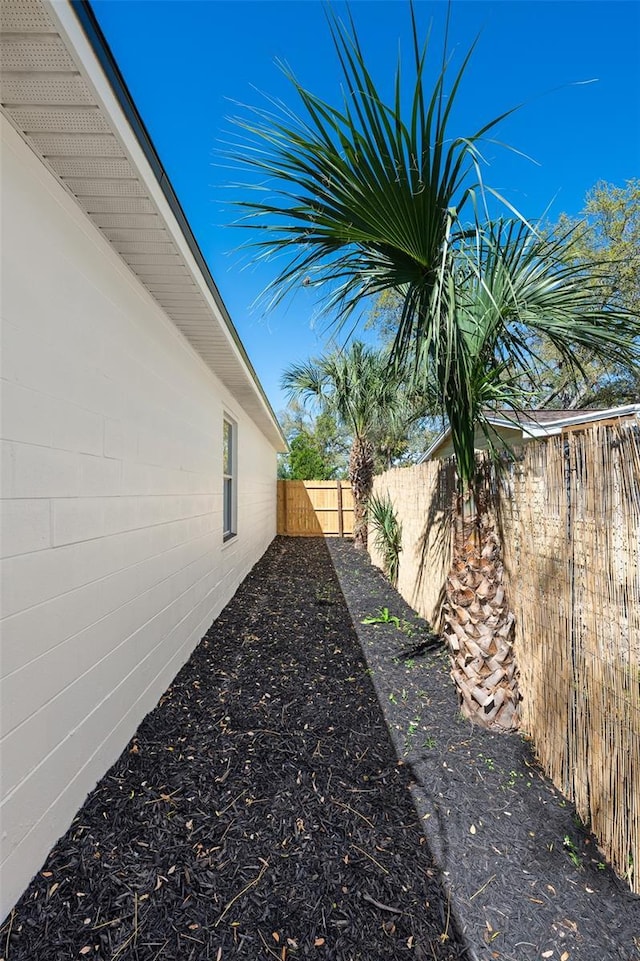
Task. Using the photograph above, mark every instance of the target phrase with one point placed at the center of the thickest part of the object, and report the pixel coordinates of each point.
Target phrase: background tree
(402, 440)
(606, 236)
(305, 461)
(360, 388)
(318, 446)
(384, 319)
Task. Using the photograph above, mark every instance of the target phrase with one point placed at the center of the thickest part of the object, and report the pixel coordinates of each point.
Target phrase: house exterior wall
(113, 562)
(508, 435)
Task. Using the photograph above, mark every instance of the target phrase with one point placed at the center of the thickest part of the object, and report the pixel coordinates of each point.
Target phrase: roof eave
(83, 79)
(534, 430)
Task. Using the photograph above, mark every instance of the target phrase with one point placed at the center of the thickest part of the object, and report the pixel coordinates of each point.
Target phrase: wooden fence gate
(315, 508)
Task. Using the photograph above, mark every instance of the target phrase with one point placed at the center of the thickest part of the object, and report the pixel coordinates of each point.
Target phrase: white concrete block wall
(113, 564)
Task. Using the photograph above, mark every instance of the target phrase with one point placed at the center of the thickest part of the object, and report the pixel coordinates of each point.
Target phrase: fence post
(340, 518)
(284, 508)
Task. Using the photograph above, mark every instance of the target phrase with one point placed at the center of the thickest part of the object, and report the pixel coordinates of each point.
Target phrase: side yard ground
(260, 812)
(525, 876)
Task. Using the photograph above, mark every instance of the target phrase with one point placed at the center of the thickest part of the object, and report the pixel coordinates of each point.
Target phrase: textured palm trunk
(361, 467)
(479, 627)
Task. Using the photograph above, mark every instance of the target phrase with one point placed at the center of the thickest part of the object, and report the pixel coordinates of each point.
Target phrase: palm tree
(359, 387)
(368, 199)
(512, 293)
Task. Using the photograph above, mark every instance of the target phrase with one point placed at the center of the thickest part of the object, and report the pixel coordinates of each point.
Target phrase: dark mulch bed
(525, 877)
(260, 812)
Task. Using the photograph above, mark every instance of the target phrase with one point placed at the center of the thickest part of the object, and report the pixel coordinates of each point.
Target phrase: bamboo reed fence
(315, 508)
(569, 514)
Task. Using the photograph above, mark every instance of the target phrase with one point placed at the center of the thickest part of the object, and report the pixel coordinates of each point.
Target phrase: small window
(229, 480)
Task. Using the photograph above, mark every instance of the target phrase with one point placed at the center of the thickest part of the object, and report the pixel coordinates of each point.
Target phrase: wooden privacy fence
(315, 508)
(569, 519)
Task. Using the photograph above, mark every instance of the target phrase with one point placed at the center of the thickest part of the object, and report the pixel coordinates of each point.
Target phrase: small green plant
(570, 847)
(430, 742)
(513, 779)
(387, 534)
(384, 616)
(393, 698)
(413, 727)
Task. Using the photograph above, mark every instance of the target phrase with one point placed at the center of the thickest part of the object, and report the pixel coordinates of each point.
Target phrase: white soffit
(55, 92)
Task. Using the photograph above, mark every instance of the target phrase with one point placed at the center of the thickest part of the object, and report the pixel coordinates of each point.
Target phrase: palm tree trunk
(361, 468)
(479, 626)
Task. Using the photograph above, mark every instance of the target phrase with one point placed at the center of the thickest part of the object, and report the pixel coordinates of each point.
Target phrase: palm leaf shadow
(436, 539)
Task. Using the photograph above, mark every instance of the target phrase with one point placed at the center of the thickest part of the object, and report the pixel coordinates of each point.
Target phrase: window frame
(229, 480)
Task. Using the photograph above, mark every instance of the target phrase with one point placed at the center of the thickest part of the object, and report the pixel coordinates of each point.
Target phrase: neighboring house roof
(524, 426)
(64, 93)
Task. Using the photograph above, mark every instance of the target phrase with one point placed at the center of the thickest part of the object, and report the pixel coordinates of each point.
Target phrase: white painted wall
(113, 565)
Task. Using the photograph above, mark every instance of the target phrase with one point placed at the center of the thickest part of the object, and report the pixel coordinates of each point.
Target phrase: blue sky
(573, 65)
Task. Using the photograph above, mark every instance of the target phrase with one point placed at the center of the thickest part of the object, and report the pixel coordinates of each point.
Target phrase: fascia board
(588, 416)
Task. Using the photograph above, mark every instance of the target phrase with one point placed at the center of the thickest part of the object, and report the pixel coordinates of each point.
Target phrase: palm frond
(360, 200)
(513, 290)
